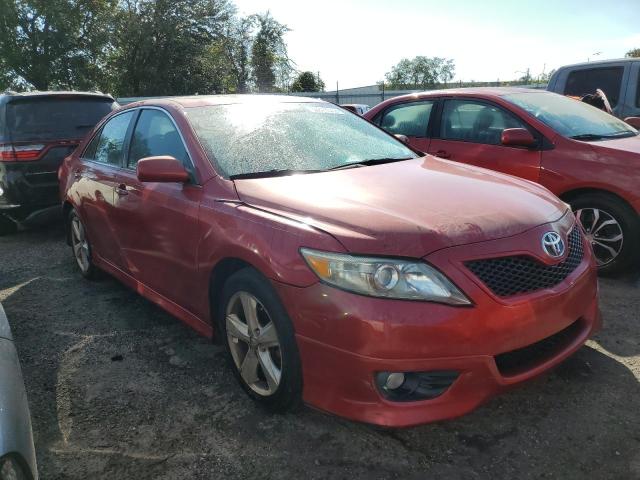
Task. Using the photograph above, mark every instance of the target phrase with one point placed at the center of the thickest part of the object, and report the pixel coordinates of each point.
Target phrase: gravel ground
(120, 389)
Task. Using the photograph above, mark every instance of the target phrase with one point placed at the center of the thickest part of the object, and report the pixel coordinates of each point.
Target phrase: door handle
(443, 154)
(121, 190)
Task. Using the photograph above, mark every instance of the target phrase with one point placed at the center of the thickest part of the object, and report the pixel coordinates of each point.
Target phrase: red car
(588, 158)
(338, 267)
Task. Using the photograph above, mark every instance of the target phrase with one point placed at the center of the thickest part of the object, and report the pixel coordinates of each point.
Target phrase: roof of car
(481, 91)
(600, 62)
(8, 95)
(210, 100)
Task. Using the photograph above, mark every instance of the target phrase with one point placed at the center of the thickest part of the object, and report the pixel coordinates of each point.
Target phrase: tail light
(20, 153)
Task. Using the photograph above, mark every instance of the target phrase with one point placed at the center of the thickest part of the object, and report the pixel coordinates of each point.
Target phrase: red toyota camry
(587, 157)
(339, 267)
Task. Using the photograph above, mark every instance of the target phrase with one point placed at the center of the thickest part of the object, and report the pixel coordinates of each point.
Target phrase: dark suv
(37, 131)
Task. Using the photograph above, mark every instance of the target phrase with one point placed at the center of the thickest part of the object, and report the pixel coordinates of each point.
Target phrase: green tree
(307, 82)
(269, 53)
(54, 44)
(420, 72)
(161, 46)
(634, 53)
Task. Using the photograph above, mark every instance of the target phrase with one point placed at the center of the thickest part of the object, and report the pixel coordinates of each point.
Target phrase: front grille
(519, 361)
(507, 276)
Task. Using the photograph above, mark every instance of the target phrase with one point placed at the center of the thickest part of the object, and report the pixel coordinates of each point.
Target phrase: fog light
(414, 386)
(394, 380)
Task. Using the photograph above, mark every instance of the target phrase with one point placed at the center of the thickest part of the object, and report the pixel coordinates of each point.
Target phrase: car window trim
(542, 141)
(378, 119)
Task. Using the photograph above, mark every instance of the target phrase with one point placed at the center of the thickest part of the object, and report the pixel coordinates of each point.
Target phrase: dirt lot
(119, 389)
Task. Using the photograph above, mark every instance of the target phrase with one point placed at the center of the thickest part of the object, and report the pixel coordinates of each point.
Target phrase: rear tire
(261, 344)
(7, 226)
(81, 247)
(613, 229)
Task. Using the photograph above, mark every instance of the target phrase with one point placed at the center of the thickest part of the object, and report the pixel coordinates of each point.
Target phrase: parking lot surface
(120, 389)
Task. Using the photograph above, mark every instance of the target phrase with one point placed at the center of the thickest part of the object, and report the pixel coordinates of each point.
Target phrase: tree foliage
(269, 58)
(634, 53)
(420, 72)
(307, 82)
(54, 44)
(140, 47)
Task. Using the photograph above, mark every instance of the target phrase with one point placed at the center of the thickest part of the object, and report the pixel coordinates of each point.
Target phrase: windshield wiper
(586, 136)
(271, 173)
(372, 161)
(594, 136)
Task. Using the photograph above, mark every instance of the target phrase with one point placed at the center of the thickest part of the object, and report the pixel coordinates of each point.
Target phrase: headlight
(384, 277)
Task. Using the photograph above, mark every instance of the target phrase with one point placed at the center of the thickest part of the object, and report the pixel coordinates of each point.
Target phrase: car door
(95, 181)
(470, 131)
(157, 223)
(410, 119)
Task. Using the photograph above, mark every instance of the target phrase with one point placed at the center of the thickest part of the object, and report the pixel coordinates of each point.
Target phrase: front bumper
(345, 339)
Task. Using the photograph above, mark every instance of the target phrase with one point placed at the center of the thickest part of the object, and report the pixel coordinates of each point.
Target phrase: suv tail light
(20, 153)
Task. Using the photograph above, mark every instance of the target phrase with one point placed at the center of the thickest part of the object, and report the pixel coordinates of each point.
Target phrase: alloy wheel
(253, 341)
(80, 244)
(603, 232)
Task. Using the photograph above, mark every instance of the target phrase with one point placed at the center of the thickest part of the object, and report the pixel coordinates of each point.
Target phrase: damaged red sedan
(340, 268)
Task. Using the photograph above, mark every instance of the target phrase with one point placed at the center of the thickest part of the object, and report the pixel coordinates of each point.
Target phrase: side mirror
(162, 169)
(402, 138)
(517, 137)
(634, 122)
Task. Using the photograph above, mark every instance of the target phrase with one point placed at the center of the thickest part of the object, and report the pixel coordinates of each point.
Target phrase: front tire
(260, 340)
(81, 247)
(612, 228)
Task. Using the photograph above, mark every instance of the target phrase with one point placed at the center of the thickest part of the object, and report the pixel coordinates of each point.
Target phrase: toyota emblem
(553, 245)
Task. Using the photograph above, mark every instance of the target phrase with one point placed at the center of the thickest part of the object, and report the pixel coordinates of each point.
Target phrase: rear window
(583, 82)
(54, 118)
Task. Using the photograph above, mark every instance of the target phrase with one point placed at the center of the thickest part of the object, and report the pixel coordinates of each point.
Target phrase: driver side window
(475, 122)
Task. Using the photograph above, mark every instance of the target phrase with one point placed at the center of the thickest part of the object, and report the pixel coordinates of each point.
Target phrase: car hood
(409, 208)
(627, 145)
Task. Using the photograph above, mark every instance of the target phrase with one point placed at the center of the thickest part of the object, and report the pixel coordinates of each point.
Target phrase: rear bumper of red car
(345, 340)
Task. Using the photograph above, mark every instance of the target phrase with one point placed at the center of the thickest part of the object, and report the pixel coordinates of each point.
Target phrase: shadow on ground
(119, 389)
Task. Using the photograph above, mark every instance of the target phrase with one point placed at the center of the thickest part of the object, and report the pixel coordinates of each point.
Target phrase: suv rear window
(54, 118)
(583, 82)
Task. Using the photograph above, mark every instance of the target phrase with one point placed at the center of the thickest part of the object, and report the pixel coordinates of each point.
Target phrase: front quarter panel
(268, 242)
(574, 165)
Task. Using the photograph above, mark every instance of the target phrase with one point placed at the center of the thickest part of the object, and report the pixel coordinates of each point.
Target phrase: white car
(17, 454)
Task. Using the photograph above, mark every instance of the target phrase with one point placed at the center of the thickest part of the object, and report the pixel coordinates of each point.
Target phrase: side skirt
(203, 328)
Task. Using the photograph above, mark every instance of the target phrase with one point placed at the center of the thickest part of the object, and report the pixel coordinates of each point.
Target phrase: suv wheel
(81, 246)
(260, 340)
(612, 228)
(7, 226)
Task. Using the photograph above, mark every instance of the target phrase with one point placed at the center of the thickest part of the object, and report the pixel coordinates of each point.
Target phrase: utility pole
(337, 93)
